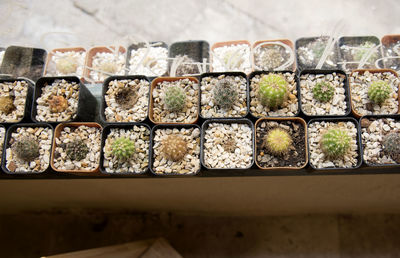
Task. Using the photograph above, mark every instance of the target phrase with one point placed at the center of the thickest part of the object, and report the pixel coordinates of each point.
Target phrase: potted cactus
(324, 93)
(125, 99)
(65, 62)
(334, 143)
(227, 144)
(223, 95)
(281, 143)
(231, 56)
(76, 147)
(174, 100)
(125, 149)
(175, 150)
(27, 148)
(391, 52)
(273, 55)
(374, 92)
(273, 94)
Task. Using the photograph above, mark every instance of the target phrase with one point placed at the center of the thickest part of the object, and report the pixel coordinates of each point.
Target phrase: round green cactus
(379, 91)
(175, 98)
(76, 150)
(323, 91)
(277, 141)
(123, 148)
(273, 90)
(225, 93)
(26, 149)
(335, 143)
(391, 144)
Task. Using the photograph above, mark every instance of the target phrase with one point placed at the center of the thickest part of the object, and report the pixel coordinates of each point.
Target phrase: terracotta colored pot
(284, 41)
(296, 119)
(387, 41)
(62, 50)
(228, 43)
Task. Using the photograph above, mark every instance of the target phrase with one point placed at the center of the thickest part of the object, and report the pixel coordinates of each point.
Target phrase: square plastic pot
(139, 45)
(346, 91)
(205, 126)
(388, 41)
(283, 41)
(62, 50)
(87, 103)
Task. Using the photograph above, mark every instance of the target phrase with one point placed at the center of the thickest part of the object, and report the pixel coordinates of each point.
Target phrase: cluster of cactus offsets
(175, 98)
(273, 90)
(277, 141)
(391, 144)
(323, 91)
(58, 104)
(67, 65)
(174, 147)
(7, 104)
(26, 149)
(335, 142)
(76, 150)
(225, 93)
(379, 91)
(123, 148)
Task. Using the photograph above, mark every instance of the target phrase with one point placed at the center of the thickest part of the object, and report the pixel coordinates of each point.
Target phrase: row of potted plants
(220, 144)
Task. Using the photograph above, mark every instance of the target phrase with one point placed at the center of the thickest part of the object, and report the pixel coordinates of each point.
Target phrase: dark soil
(295, 157)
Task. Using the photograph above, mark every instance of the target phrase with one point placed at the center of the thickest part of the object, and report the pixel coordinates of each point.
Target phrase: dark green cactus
(323, 91)
(26, 149)
(335, 143)
(123, 148)
(225, 93)
(379, 91)
(273, 90)
(175, 98)
(76, 150)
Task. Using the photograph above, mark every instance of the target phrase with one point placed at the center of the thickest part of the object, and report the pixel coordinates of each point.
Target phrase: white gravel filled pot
(62, 99)
(174, 100)
(76, 147)
(148, 60)
(229, 56)
(125, 99)
(223, 95)
(324, 93)
(380, 138)
(66, 62)
(175, 150)
(359, 84)
(227, 144)
(27, 148)
(325, 156)
(125, 149)
(289, 108)
(391, 51)
(273, 55)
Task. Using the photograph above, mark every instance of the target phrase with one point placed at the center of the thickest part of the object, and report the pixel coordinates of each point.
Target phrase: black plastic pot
(251, 75)
(24, 62)
(2, 143)
(346, 91)
(7, 141)
(28, 102)
(106, 131)
(202, 76)
(205, 126)
(137, 46)
(171, 126)
(336, 119)
(195, 49)
(87, 103)
(103, 104)
(301, 42)
(375, 117)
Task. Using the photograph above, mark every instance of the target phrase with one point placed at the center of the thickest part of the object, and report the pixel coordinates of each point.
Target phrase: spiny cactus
(26, 149)
(277, 141)
(335, 142)
(273, 90)
(225, 93)
(76, 150)
(379, 91)
(127, 97)
(109, 67)
(58, 104)
(391, 144)
(7, 104)
(67, 65)
(229, 144)
(174, 147)
(323, 91)
(123, 148)
(175, 98)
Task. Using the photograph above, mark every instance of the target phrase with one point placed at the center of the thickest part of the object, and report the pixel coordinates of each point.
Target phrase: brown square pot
(284, 41)
(63, 50)
(228, 43)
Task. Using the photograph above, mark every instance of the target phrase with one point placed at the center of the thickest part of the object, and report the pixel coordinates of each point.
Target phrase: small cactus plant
(273, 90)
(277, 141)
(126, 98)
(58, 104)
(7, 104)
(67, 65)
(123, 148)
(335, 143)
(379, 91)
(391, 144)
(175, 98)
(76, 150)
(26, 149)
(225, 93)
(174, 147)
(229, 144)
(109, 67)
(323, 91)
